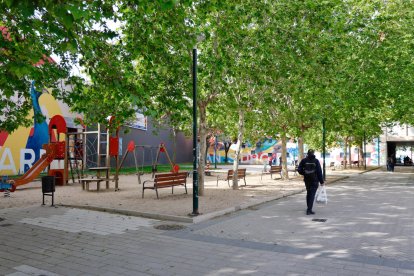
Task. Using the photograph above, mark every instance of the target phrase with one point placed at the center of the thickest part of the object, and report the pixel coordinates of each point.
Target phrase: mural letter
(10, 166)
(24, 161)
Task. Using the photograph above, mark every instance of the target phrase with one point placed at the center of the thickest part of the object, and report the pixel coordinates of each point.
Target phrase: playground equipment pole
(324, 147)
(195, 174)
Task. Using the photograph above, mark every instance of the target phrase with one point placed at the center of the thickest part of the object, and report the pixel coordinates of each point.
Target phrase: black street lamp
(215, 152)
(378, 151)
(324, 147)
(195, 159)
(365, 152)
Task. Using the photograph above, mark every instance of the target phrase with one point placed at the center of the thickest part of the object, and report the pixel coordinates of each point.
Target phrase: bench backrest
(240, 173)
(275, 169)
(170, 179)
(332, 164)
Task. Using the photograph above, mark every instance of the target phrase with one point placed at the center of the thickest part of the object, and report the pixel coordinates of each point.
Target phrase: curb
(196, 219)
(338, 179)
(130, 213)
(370, 170)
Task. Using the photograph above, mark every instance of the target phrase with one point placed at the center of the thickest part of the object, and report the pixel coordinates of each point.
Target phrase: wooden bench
(85, 182)
(241, 173)
(273, 170)
(98, 179)
(355, 163)
(294, 170)
(336, 166)
(166, 180)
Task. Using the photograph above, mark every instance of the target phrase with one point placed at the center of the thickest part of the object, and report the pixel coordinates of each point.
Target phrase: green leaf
(9, 3)
(67, 20)
(168, 4)
(76, 12)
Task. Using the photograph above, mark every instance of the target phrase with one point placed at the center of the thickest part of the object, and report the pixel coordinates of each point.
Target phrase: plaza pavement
(369, 230)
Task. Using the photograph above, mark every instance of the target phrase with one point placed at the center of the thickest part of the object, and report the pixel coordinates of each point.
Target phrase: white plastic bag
(321, 195)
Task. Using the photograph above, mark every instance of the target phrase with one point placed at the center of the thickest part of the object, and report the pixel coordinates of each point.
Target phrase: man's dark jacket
(311, 159)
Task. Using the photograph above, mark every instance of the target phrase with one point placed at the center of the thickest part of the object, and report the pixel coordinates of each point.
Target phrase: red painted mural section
(3, 137)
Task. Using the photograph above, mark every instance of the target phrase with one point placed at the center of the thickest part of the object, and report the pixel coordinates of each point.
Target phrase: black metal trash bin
(48, 187)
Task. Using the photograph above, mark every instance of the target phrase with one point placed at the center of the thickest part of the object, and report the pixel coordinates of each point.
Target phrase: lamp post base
(194, 214)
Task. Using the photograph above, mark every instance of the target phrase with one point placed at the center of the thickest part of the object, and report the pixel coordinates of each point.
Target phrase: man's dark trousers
(311, 188)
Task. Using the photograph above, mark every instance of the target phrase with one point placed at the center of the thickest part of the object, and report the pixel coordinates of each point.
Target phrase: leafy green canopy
(34, 31)
(287, 63)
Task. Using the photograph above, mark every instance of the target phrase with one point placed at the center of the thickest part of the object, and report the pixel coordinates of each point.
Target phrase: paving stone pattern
(369, 215)
(369, 230)
(75, 221)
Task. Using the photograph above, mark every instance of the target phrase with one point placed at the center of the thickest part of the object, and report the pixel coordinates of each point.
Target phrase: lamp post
(195, 159)
(378, 151)
(324, 147)
(365, 152)
(215, 152)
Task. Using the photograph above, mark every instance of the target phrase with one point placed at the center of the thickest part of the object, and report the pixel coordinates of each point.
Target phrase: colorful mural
(39, 133)
(259, 153)
(22, 148)
(270, 150)
(337, 155)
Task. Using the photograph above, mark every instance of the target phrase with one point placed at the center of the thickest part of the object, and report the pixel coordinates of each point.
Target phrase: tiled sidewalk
(369, 229)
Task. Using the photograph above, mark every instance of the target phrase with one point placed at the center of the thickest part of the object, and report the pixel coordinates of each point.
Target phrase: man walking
(310, 168)
(391, 163)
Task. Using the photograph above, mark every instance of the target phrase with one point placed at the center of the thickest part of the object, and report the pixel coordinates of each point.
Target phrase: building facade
(22, 148)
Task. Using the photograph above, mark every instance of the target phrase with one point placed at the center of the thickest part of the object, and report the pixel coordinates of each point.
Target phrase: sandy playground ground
(129, 197)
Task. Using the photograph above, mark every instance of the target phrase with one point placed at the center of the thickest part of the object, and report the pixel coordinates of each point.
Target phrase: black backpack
(309, 170)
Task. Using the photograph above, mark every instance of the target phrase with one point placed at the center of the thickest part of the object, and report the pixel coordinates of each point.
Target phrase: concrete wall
(153, 137)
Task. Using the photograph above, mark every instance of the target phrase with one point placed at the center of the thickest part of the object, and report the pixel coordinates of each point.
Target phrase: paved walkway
(368, 231)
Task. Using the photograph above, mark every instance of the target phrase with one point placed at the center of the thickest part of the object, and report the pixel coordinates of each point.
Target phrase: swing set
(136, 149)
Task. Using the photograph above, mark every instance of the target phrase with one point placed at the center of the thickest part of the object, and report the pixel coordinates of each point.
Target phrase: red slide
(37, 167)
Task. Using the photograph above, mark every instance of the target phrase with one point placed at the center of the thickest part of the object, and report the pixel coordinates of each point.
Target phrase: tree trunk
(226, 151)
(238, 149)
(350, 154)
(174, 133)
(207, 147)
(301, 148)
(202, 148)
(361, 159)
(345, 151)
(285, 174)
